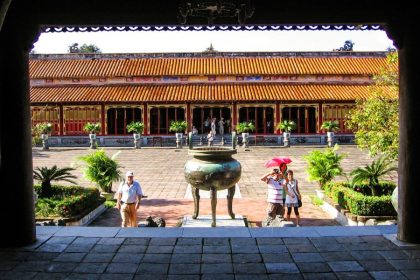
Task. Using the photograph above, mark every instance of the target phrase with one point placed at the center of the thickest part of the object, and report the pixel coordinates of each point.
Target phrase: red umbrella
(285, 160)
(277, 161)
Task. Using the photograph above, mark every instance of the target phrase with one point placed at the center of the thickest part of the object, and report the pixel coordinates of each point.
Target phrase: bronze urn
(212, 169)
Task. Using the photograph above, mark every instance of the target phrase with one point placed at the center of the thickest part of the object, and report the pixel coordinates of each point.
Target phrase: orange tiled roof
(201, 92)
(85, 68)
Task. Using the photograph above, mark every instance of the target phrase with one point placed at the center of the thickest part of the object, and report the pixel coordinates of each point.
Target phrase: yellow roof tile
(85, 68)
(202, 92)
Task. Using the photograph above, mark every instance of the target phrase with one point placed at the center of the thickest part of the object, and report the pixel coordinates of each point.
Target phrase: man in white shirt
(274, 182)
(128, 200)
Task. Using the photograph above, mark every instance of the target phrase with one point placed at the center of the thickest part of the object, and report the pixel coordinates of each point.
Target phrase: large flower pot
(178, 137)
(44, 138)
(286, 139)
(245, 139)
(330, 138)
(212, 169)
(137, 142)
(92, 138)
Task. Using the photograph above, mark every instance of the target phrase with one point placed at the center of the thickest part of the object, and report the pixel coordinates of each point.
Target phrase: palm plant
(324, 166)
(178, 126)
(245, 127)
(45, 175)
(102, 169)
(286, 126)
(372, 173)
(330, 126)
(135, 127)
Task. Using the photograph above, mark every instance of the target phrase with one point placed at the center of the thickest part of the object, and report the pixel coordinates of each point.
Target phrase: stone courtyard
(161, 175)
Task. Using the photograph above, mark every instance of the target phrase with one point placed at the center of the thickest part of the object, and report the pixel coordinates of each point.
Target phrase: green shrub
(45, 207)
(324, 166)
(102, 169)
(68, 201)
(78, 204)
(358, 203)
(385, 188)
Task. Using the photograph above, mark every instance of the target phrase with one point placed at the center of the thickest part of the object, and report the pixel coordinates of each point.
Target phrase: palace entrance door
(201, 114)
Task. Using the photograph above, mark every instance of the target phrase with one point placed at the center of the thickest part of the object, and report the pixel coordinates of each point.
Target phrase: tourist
(207, 125)
(274, 180)
(210, 138)
(221, 126)
(283, 170)
(129, 195)
(213, 126)
(194, 130)
(292, 196)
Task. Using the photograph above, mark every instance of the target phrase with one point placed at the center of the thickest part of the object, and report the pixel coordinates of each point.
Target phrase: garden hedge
(360, 204)
(69, 201)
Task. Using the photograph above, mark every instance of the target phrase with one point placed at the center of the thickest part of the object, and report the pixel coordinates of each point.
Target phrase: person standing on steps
(129, 195)
(274, 181)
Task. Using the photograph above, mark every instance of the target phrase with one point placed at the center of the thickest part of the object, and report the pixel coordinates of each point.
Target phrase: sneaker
(297, 225)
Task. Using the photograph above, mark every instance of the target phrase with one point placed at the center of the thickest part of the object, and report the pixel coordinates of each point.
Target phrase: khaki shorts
(274, 209)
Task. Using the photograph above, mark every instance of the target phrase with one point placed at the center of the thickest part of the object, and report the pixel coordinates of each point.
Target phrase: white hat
(129, 173)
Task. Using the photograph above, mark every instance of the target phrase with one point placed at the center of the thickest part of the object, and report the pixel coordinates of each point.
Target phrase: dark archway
(21, 27)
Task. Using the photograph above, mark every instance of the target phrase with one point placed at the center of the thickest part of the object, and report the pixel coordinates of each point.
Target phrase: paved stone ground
(96, 253)
(160, 172)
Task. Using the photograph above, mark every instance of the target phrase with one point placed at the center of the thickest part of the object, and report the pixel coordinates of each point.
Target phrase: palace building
(264, 88)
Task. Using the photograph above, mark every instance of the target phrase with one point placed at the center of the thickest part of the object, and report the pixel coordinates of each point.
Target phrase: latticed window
(337, 112)
(49, 114)
(75, 117)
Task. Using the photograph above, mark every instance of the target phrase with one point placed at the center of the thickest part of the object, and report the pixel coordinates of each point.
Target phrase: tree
(375, 120)
(46, 175)
(74, 48)
(347, 47)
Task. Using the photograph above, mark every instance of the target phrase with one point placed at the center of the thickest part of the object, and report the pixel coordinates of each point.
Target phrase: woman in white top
(292, 196)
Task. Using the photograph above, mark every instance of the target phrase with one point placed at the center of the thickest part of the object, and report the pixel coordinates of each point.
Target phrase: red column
(277, 120)
(145, 120)
(320, 117)
(103, 119)
(234, 114)
(189, 120)
(61, 119)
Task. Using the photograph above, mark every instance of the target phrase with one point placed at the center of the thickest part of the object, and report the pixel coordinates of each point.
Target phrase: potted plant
(102, 170)
(179, 128)
(330, 126)
(137, 129)
(286, 127)
(92, 129)
(245, 128)
(44, 129)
